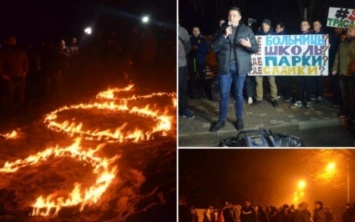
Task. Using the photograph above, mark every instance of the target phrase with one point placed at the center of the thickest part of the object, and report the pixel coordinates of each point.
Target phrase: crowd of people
(233, 44)
(26, 72)
(248, 213)
(32, 71)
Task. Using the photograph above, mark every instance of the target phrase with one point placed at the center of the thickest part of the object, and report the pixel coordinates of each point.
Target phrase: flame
(110, 93)
(103, 168)
(163, 122)
(105, 173)
(11, 135)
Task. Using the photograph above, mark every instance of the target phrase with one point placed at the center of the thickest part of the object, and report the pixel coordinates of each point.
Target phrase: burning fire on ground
(108, 100)
(11, 135)
(104, 168)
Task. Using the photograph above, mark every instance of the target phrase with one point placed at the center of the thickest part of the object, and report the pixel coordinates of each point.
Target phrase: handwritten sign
(291, 55)
(340, 17)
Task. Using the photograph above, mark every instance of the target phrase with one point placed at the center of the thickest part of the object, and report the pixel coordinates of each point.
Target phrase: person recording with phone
(234, 46)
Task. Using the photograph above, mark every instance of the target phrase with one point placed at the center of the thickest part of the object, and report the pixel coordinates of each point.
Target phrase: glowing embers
(102, 169)
(11, 135)
(135, 120)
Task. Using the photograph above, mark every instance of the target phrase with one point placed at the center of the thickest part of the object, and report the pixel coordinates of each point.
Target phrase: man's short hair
(317, 20)
(281, 24)
(305, 20)
(235, 9)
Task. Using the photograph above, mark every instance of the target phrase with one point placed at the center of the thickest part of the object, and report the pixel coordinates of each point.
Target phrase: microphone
(229, 25)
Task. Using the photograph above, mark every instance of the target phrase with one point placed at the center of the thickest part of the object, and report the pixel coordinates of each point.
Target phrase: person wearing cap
(234, 46)
(266, 30)
(319, 213)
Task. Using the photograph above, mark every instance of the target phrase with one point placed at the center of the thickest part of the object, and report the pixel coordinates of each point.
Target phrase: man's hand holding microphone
(244, 42)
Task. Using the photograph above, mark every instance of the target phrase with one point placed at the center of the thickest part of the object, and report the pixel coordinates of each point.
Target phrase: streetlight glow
(301, 184)
(88, 30)
(145, 19)
(330, 167)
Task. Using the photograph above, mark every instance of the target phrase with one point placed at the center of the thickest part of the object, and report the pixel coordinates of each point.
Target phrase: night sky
(62, 18)
(276, 10)
(266, 177)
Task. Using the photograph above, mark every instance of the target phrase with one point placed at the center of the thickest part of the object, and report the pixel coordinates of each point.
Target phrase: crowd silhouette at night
(249, 213)
(36, 70)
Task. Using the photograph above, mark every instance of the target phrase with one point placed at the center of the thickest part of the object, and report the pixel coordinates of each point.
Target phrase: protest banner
(291, 55)
(341, 17)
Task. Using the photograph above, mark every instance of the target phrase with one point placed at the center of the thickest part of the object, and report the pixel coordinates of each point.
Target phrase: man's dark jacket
(222, 45)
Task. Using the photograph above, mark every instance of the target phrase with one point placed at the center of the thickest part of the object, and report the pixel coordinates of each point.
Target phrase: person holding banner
(234, 47)
(266, 30)
(317, 81)
(280, 30)
(303, 82)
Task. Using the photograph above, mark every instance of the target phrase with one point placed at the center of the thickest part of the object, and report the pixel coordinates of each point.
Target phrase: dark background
(33, 19)
(206, 14)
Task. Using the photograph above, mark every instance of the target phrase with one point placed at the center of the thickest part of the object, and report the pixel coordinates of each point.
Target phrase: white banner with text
(291, 55)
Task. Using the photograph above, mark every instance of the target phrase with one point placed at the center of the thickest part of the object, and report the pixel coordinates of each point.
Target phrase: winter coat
(270, 32)
(281, 33)
(319, 215)
(248, 215)
(262, 216)
(347, 216)
(342, 59)
(229, 214)
(302, 216)
(13, 63)
(282, 216)
(351, 68)
(222, 45)
(201, 53)
(184, 46)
